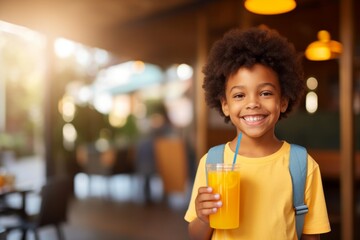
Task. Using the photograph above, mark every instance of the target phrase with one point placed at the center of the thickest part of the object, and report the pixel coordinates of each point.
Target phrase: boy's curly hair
(245, 48)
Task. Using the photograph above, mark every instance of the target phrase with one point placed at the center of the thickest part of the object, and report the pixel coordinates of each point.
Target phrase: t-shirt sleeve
(200, 181)
(316, 220)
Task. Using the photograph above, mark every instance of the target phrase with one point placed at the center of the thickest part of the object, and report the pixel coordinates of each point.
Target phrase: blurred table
(5, 208)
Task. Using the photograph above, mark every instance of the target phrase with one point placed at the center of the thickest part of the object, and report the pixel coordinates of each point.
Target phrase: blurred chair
(53, 209)
(104, 164)
(2, 234)
(172, 164)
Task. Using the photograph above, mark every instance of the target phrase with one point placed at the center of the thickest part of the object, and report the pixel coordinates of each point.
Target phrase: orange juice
(226, 182)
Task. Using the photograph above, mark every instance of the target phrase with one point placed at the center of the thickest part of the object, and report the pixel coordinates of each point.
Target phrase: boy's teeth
(253, 118)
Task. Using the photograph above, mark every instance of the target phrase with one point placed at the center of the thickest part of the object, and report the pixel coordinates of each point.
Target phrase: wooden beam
(2, 94)
(49, 105)
(201, 113)
(347, 152)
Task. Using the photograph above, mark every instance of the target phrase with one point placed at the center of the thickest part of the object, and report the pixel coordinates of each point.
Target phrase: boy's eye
(239, 95)
(266, 93)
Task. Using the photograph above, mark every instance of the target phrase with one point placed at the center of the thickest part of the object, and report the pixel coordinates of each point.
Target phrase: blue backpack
(298, 172)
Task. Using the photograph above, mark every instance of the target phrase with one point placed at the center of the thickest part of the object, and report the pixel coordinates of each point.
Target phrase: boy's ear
(225, 107)
(284, 104)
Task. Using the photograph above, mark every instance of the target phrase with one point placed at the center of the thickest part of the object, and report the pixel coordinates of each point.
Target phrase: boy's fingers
(205, 190)
(208, 211)
(206, 194)
(208, 198)
(202, 191)
(210, 205)
(207, 202)
(209, 208)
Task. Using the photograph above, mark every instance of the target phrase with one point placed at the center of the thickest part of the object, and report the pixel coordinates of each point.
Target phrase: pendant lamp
(324, 48)
(270, 7)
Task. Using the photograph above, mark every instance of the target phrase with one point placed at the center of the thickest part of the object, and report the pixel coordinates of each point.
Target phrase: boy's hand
(206, 203)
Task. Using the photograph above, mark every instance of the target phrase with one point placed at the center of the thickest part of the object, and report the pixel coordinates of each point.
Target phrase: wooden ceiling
(162, 32)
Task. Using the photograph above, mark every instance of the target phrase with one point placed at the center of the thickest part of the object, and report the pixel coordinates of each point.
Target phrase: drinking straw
(237, 147)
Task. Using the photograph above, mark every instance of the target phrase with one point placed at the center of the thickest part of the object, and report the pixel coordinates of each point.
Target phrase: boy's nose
(252, 103)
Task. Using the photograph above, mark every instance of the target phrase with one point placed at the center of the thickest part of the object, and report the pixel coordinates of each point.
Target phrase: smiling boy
(253, 78)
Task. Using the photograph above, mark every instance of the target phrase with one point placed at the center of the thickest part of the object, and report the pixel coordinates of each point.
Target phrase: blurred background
(108, 94)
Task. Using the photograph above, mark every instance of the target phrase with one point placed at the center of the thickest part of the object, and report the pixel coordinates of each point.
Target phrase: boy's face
(253, 100)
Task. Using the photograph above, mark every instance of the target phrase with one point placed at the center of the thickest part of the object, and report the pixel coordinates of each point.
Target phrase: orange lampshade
(270, 7)
(324, 48)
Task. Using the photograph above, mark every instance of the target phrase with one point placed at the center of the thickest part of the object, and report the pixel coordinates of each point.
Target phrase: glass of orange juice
(224, 179)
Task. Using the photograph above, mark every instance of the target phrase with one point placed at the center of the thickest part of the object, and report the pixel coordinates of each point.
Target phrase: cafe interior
(103, 120)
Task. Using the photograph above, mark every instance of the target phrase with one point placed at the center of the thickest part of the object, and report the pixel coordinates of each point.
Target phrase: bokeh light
(311, 103)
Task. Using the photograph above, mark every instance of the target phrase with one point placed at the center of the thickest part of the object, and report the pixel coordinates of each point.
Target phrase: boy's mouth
(253, 118)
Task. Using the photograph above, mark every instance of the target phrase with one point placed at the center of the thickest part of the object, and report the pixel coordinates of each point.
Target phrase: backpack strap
(215, 155)
(298, 172)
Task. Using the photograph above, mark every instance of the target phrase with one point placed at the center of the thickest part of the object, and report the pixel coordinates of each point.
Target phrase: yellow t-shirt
(266, 198)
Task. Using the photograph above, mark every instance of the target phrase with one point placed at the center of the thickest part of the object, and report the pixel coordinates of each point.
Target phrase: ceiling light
(270, 7)
(324, 48)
